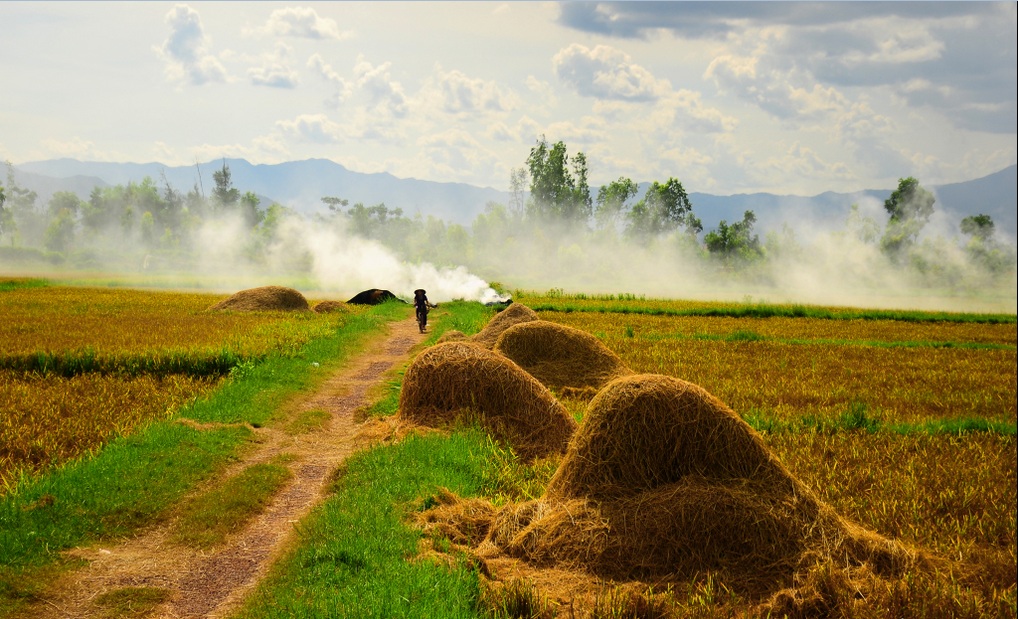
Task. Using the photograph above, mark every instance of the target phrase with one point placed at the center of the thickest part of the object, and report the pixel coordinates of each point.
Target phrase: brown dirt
(212, 583)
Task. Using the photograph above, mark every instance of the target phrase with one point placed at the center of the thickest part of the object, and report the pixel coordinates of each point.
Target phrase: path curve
(214, 583)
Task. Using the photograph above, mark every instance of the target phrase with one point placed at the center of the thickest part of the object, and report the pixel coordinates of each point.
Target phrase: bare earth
(214, 583)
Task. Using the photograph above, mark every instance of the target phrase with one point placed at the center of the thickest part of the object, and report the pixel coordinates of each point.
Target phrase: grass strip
(7, 285)
(208, 519)
(752, 336)
(88, 361)
(133, 481)
(357, 558)
(856, 418)
(783, 311)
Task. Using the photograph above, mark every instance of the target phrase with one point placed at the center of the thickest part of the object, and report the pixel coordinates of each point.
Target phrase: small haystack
(458, 379)
(452, 335)
(373, 296)
(330, 307)
(512, 315)
(560, 356)
(265, 298)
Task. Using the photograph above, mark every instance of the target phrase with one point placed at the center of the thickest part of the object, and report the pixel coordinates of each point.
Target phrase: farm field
(904, 423)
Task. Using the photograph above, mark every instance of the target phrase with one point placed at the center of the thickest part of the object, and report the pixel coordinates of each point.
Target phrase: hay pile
(663, 482)
(452, 335)
(329, 307)
(512, 315)
(265, 298)
(457, 380)
(560, 356)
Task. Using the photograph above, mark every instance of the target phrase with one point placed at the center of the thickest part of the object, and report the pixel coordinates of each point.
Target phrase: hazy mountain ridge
(302, 184)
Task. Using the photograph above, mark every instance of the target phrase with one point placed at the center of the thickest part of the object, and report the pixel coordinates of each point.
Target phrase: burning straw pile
(265, 298)
(460, 380)
(560, 356)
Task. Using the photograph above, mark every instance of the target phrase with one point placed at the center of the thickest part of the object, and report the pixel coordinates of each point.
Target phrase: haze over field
(731, 97)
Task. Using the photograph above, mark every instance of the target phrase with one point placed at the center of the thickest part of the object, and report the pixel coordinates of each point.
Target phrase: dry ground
(212, 583)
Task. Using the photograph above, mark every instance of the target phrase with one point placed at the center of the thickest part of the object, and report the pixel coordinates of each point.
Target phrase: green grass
(133, 481)
(356, 555)
(6, 285)
(755, 310)
(130, 602)
(208, 519)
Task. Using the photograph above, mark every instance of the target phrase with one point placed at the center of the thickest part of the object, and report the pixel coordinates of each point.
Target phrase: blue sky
(729, 97)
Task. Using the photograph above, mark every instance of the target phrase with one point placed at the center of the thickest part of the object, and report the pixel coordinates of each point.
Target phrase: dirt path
(212, 583)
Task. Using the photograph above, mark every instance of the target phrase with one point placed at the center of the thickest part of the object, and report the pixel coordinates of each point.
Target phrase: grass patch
(6, 285)
(130, 602)
(208, 519)
(308, 421)
(356, 556)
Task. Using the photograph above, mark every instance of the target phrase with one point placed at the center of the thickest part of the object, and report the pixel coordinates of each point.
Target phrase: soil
(212, 583)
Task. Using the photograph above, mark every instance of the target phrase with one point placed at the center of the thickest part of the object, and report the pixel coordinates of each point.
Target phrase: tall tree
(664, 208)
(735, 242)
(611, 201)
(909, 207)
(555, 194)
(225, 194)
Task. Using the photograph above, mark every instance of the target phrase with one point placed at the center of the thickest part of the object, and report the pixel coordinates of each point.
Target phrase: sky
(728, 97)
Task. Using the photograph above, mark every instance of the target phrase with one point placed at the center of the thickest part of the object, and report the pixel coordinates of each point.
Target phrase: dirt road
(212, 583)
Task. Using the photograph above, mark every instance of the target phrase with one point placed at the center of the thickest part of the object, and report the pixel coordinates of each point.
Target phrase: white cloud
(605, 72)
(186, 49)
(384, 92)
(453, 92)
(316, 128)
(302, 22)
(275, 70)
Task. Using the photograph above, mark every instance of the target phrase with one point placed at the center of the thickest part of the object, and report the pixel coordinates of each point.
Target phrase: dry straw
(265, 298)
(663, 482)
(452, 335)
(560, 356)
(328, 307)
(512, 315)
(459, 380)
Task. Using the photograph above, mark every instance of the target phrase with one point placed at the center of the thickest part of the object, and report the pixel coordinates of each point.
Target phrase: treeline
(554, 224)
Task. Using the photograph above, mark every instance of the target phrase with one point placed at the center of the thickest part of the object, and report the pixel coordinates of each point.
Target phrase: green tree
(664, 208)
(22, 220)
(225, 195)
(909, 208)
(64, 200)
(978, 226)
(249, 209)
(59, 233)
(611, 201)
(556, 193)
(735, 242)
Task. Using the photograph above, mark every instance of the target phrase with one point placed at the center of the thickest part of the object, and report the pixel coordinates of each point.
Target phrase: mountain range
(301, 185)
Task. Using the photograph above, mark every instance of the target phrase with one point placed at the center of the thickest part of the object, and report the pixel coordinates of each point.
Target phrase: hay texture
(560, 356)
(265, 298)
(452, 335)
(331, 307)
(512, 315)
(663, 482)
(458, 380)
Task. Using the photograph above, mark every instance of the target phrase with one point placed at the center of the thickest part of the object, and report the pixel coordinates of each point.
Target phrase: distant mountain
(302, 184)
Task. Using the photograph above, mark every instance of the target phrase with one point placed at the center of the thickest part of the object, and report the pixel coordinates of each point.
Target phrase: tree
(334, 203)
(735, 242)
(518, 179)
(555, 194)
(611, 201)
(664, 208)
(225, 194)
(978, 226)
(909, 207)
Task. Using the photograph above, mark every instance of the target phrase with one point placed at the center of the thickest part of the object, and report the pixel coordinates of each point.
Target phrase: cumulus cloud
(302, 22)
(384, 92)
(186, 49)
(606, 72)
(275, 70)
(456, 93)
(316, 128)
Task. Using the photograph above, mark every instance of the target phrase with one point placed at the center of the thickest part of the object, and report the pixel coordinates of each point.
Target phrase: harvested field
(264, 298)
(461, 381)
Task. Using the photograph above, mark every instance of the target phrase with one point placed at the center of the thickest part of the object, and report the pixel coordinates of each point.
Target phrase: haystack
(560, 356)
(265, 298)
(329, 307)
(452, 335)
(663, 482)
(512, 315)
(373, 296)
(458, 380)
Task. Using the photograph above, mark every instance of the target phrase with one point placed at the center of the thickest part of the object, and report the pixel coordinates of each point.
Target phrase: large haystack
(512, 315)
(560, 356)
(458, 379)
(265, 298)
(663, 482)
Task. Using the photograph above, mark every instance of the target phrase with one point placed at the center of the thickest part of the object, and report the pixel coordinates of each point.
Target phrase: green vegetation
(208, 519)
